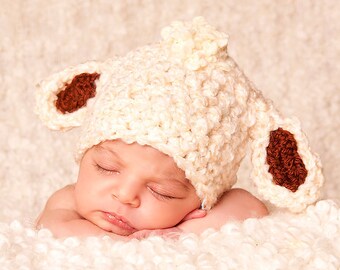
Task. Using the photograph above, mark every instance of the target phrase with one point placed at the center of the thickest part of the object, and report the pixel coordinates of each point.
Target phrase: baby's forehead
(128, 151)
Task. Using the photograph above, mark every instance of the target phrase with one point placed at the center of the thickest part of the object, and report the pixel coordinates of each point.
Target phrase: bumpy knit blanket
(289, 50)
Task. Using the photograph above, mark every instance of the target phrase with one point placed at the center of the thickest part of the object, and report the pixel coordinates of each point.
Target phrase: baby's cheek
(158, 217)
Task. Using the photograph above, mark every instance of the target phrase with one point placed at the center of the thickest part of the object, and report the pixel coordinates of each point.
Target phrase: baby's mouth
(119, 221)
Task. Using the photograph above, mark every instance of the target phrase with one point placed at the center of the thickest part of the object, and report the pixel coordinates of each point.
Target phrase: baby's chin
(122, 232)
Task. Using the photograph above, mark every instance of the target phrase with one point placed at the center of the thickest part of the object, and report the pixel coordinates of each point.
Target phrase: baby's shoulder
(245, 203)
(241, 193)
(62, 199)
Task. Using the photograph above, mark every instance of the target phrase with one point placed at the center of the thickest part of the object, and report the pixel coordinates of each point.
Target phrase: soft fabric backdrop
(289, 49)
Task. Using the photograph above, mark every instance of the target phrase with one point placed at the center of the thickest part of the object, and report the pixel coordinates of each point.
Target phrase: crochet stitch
(77, 93)
(186, 97)
(284, 162)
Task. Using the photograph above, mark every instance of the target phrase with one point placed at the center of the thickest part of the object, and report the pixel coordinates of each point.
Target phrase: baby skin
(131, 191)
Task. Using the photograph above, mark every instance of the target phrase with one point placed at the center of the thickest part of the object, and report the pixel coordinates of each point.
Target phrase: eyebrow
(180, 183)
(100, 148)
(173, 178)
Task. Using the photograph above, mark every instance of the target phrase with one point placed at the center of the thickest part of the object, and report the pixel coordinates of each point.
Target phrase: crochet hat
(186, 97)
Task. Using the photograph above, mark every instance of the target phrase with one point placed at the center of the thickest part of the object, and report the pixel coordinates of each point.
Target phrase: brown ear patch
(285, 163)
(76, 94)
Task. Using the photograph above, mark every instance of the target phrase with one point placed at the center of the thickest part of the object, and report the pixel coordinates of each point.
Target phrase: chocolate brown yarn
(76, 94)
(284, 162)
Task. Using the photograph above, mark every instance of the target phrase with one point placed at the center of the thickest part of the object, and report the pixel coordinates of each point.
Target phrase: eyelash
(156, 194)
(105, 171)
(161, 196)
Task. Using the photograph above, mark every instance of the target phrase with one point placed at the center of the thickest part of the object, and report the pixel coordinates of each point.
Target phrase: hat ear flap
(285, 170)
(62, 99)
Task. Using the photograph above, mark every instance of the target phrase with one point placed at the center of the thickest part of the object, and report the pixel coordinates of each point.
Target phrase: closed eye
(104, 170)
(161, 196)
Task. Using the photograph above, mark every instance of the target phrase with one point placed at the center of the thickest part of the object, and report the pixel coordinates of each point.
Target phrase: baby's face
(124, 188)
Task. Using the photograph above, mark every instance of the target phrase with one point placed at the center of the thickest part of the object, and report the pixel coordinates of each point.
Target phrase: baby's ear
(285, 170)
(62, 99)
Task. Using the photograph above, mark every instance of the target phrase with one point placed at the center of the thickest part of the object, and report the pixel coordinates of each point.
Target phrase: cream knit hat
(186, 97)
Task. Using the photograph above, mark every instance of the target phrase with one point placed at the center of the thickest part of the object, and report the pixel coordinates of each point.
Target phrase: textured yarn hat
(186, 97)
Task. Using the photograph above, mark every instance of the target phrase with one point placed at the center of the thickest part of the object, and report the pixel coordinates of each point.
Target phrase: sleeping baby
(164, 130)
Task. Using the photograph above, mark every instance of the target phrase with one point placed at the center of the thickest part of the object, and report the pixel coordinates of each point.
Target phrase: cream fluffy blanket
(290, 50)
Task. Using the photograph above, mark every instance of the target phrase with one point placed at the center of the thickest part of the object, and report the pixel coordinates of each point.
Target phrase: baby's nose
(127, 193)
